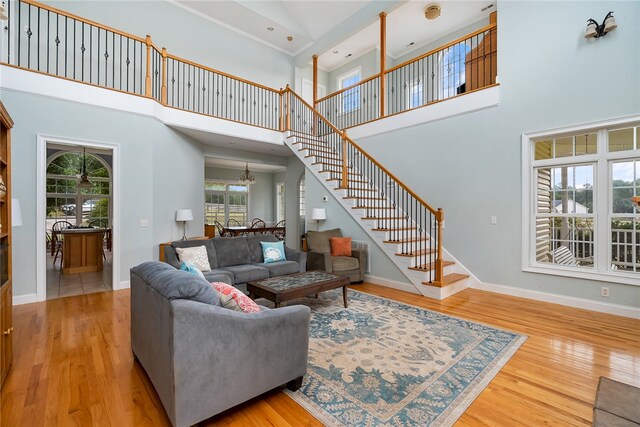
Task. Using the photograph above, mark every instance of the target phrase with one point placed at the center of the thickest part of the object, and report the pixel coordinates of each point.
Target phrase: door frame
(41, 207)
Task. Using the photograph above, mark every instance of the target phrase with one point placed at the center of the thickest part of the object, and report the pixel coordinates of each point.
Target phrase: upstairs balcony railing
(462, 66)
(50, 41)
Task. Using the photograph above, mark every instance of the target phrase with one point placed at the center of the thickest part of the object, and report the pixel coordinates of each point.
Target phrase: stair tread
(338, 171)
(389, 218)
(321, 157)
(412, 240)
(363, 198)
(372, 207)
(351, 180)
(447, 280)
(331, 164)
(394, 229)
(430, 266)
(369, 190)
(418, 253)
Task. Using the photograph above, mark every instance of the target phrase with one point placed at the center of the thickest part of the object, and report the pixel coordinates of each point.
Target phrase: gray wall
(471, 165)
(189, 36)
(157, 164)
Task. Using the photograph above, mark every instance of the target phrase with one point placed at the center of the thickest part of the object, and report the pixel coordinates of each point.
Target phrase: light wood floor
(73, 365)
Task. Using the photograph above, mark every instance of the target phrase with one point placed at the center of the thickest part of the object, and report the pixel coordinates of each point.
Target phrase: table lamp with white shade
(184, 215)
(318, 214)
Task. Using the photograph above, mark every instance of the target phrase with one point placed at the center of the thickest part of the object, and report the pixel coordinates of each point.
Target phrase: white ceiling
(235, 143)
(407, 24)
(305, 21)
(240, 165)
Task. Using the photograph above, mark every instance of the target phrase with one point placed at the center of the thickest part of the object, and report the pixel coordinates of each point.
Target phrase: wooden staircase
(404, 252)
(409, 233)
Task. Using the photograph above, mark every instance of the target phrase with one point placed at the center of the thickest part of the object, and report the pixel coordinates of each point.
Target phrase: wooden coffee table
(285, 288)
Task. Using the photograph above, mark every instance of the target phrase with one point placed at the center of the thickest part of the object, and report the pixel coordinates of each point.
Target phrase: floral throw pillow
(196, 255)
(273, 252)
(233, 299)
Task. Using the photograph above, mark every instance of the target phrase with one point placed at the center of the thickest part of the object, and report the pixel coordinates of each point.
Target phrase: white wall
(471, 165)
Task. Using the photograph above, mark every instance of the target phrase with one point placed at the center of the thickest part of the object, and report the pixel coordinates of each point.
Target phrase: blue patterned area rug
(384, 363)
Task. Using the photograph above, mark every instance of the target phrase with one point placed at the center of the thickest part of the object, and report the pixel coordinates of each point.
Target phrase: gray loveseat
(202, 358)
(238, 260)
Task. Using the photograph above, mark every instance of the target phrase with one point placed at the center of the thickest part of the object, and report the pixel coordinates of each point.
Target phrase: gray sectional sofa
(238, 260)
(202, 358)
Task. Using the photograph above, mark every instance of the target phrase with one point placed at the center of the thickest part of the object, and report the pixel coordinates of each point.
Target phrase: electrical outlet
(604, 291)
(325, 198)
(493, 220)
(144, 223)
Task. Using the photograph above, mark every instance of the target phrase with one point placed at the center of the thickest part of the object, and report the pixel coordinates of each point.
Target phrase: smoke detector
(432, 12)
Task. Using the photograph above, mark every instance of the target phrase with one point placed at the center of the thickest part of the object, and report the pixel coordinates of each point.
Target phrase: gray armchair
(202, 358)
(319, 256)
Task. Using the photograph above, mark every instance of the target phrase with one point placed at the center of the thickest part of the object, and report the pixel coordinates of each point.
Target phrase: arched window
(67, 202)
(452, 70)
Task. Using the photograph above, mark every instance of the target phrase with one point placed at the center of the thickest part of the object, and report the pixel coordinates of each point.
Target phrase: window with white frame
(578, 207)
(452, 69)
(351, 97)
(415, 95)
(224, 201)
(280, 202)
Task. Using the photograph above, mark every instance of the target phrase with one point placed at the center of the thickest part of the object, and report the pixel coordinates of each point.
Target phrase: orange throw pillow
(340, 246)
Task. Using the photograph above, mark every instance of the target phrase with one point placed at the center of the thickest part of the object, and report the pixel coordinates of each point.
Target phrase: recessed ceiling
(304, 21)
(240, 165)
(405, 25)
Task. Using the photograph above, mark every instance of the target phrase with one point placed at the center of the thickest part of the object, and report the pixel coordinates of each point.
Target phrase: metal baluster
(29, 33)
(38, 33)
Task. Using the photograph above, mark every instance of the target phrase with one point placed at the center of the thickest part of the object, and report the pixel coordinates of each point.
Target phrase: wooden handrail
(78, 18)
(367, 155)
(438, 49)
(147, 90)
(361, 82)
(424, 55)
(331, 125)
(213, 70)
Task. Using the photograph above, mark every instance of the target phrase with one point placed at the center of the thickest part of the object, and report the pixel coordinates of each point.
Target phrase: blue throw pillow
(273, 252)
(190, 267)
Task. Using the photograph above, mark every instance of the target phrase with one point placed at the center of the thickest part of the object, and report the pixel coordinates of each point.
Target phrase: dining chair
(57, 239)
(233, 223)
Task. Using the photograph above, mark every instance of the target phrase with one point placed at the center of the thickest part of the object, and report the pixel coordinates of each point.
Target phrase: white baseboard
(24, 299)
(407, 287)
(582, 303)
(124, 285)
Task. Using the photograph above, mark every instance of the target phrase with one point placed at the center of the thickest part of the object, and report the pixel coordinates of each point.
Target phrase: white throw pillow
(196, 255)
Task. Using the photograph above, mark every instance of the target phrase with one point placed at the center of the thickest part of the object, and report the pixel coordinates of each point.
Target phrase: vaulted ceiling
(308, 22)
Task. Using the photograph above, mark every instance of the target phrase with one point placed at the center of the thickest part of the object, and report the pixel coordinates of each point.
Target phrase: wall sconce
(595, 30)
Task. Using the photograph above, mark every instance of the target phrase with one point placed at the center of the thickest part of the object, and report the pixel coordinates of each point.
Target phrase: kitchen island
(82, 250)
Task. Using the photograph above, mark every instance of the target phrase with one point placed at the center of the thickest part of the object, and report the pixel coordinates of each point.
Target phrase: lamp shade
(318, 214)
(184, 215)
(16, 213)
